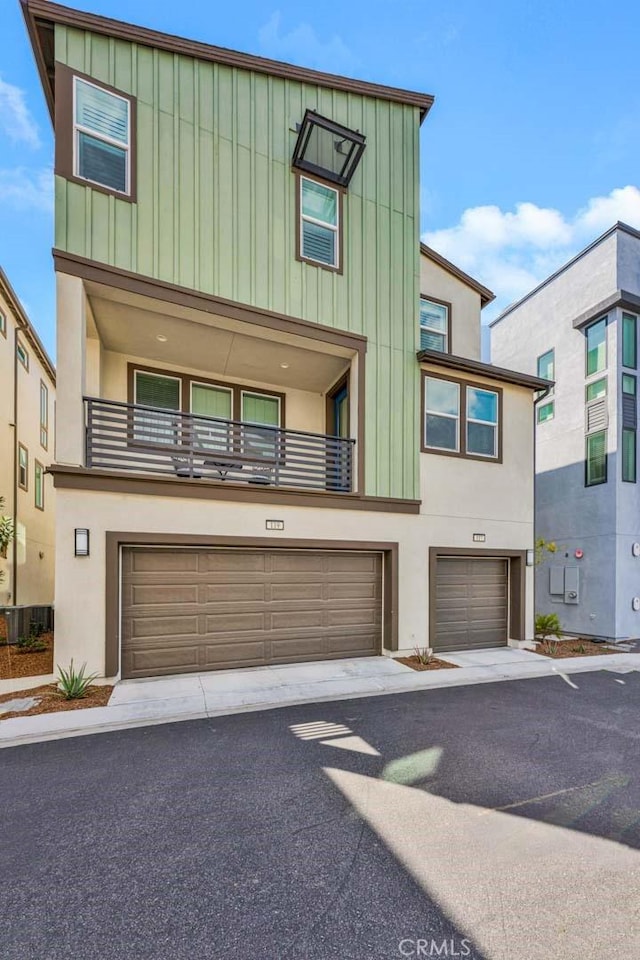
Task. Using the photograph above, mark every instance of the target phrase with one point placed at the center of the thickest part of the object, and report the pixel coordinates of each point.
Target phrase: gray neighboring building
(580, 328)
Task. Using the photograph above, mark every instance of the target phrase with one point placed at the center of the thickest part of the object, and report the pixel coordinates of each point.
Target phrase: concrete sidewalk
(143, 702)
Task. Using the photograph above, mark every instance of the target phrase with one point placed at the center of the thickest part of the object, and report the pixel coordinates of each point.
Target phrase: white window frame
(438, 413)
(210, 386)
(423, 326)
(267, 396)
(38, 468)
(23, 355)
(171, 433)
(44, 415)
(80, 128)
(162, 376)
(486, 423)
(3, 324)
(320, 223)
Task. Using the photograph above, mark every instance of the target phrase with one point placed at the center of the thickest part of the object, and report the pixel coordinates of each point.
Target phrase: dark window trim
(596, 483)
(633, 433)
(596, 373)
(633, 317)
(21, 347)
(23, 486)
(442, 303)
(36, 464)
(65, 127)
(3, 324)
(540, 407)
(463, 384)
(186, 379)
(299, 176)
(44, 424)
(343, 381)
(552, 350)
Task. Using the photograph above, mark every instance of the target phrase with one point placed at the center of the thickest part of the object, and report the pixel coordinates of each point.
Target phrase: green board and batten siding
(216, 212)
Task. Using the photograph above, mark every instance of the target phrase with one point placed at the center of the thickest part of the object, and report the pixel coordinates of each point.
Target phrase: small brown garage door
(205, 609)
(471, 601)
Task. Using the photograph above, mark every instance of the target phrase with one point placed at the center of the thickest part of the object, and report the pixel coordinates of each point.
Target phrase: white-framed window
(3, 324)
(39, 485)
(260, 410)
(434, 325)
(44, 415)
(482, 422)
(319, 223)
(23, 356)
(101, 136)
(442, 414)
(212, 401)
(546, 367)
(165, 394)
(23, 467)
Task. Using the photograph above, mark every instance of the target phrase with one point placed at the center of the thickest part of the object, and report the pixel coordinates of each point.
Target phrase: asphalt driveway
(492, 821)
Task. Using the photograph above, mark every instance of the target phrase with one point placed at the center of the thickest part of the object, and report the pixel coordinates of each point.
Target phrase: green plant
(579, 649)
(424, 655)
(547, 625)
(6, 535)
(550, 648)
(30, 644)
(74, 684)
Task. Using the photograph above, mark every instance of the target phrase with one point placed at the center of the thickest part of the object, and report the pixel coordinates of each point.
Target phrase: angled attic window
(327, 149)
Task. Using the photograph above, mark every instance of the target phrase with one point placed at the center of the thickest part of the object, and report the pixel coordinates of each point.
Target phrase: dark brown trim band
(107, 481)
(464, 365)
(115, 540)
(41, 14)
(91, 270)
(64, 132)
(486, 295)
(517, 584)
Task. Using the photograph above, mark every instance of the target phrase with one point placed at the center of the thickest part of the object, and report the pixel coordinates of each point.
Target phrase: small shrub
(74, 684)
(547, 625)
(550, 648)
(424, 655)
(30, 644)
(579, 649)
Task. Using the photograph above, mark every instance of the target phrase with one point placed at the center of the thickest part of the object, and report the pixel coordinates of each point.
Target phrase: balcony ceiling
(217, 346)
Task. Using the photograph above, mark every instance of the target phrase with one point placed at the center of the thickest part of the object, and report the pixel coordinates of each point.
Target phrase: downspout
(14, 545)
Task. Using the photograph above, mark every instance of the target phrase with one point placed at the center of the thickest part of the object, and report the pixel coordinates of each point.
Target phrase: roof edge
(45, 10)
(618, 225)
(25, 324)
(467, 365)
(486, 295)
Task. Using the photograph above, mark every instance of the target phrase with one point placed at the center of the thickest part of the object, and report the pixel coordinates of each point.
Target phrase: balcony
(151, 440)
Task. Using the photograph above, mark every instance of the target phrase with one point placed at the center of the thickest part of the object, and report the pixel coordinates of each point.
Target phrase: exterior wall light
(530, 558)
(81, 539)
(327, 149)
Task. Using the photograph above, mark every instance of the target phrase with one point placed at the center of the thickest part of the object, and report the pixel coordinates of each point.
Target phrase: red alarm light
(579, 554)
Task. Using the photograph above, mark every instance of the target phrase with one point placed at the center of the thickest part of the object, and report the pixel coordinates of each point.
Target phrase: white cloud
(15, 118)
(25, 189)
(512, 251)
(301, 45)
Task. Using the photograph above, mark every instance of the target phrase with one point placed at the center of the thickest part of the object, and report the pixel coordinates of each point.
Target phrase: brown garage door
(471, 603)
(193, 610)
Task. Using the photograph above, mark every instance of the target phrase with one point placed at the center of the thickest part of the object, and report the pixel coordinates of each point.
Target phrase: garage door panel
(232, 592)
(471, 603)
(147, 626)
(216, 608)
(304, 591)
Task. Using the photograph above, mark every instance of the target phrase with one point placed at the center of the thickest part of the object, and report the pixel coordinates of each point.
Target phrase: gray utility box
(20, 619)
(564, 584)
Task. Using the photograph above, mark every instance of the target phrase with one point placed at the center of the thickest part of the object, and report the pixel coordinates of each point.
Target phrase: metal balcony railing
(152, 440)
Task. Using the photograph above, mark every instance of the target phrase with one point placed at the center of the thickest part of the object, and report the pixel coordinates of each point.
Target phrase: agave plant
(424, 655)
(74, 684)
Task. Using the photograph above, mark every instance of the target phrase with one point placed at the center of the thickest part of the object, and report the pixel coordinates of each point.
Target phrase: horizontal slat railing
(125, 436)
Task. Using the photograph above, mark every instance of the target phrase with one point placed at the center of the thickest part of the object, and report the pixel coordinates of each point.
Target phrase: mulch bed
(434, 664)
(3, 627)
(52, 701)
(573, 648)
(14, 664)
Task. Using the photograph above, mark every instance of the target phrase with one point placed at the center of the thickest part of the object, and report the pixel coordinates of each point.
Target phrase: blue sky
(531, 150)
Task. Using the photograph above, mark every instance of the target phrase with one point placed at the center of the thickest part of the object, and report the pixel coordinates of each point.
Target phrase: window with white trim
(3, 324)
(44, 415)
(442, 414)
(101, 136)
(482, 422)
(23, 356)
(319, 223)
(434, 325)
